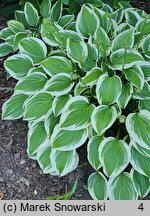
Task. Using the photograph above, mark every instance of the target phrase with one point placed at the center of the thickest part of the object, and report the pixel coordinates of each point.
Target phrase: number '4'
(141, 207)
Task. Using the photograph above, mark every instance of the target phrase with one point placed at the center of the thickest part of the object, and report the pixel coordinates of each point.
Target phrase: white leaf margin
(99, 108)
(110, 187)
(91, 190)
(22, 80)
(23, 56)
(59, 93)
(114, 173)
(130, 128)
(68, 167)
(66, 112)
(91, 11)
(56, 131)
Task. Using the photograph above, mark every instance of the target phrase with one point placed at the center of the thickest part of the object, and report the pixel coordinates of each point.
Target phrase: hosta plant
(84, 80)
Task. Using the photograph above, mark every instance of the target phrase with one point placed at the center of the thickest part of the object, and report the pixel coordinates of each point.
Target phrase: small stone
(35, 192)
(1, 179)
(22, 161)
(27, 169)
(17, 155)
(9, 143)
(40, 172)
(8, 185)
(34, 165)
(85, 187)
(25, 181)
(13, 178)
(9, 172)
(72, 177)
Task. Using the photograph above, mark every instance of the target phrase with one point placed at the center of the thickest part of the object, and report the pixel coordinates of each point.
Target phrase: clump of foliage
(84, 80)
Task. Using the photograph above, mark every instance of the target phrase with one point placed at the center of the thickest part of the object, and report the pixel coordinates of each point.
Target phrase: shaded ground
(142, 5)
(20, 177)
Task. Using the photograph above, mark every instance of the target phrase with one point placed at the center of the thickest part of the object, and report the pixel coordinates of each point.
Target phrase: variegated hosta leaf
(64, 161)
(43, 158)
(15, 26)
(91, 60)
(59, 84)
(146, 46)
(144, 93)
(37, 106)
(118, 15)
(18, 37)
(37, 137)
(33, 47)
(93, 154)
(32, 83)
(66, 20)
(145, 66)
(87, 22)
(20, 16)
(121, 188)
(132, 17)
(63, 36)
(48, 30)
(118, 109)
(138, 127)
(57, 64)
(103, 118)
(18, 65)
(126, 95)
(13, 107)
(59, 103)
(45, 8)
(108, 89)
(66, 140)
(10, 40)
(123, 58)
(141, 149)
(97, 186)
(79, 88)
(143, 26)
(101, 40)
(104, 19)
(144, 105)
(56, 11)
(107, 8)
(123, 40)
(120, 28)
(140, 162)
(92, 76)
(77, 50)
(135, 76)
(50, 122)
(114, 156)
(5, 33)
(5, 49)
(141, 183)
(76, 114)
(31, 14)
(38, 69)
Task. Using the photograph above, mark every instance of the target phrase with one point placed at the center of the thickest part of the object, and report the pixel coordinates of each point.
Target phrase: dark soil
(20, 177)
(144, 5)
